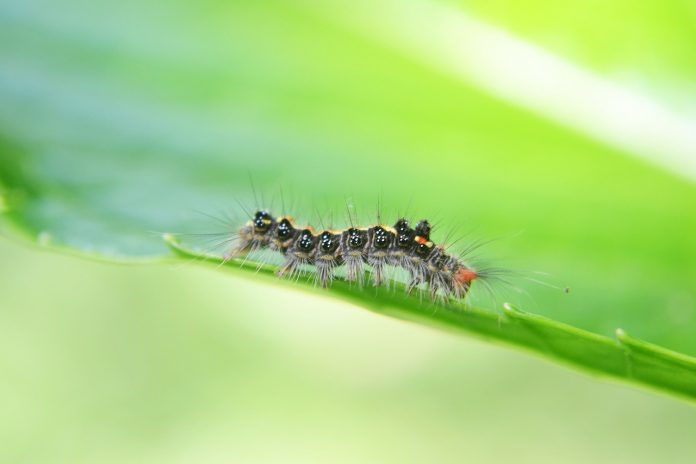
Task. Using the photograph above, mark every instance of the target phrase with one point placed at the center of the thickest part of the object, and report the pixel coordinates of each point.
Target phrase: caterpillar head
(262, 222)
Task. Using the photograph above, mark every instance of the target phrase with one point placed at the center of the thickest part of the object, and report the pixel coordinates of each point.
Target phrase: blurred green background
(178, 364)
(121, 119)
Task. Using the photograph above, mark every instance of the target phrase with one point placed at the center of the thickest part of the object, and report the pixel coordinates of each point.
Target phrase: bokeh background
(564, 129)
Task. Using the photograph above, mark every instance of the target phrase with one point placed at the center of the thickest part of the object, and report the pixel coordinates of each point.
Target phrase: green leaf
(624, 357)
(110, 136)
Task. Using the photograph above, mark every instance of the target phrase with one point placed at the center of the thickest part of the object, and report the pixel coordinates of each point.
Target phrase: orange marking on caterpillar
(464, 276)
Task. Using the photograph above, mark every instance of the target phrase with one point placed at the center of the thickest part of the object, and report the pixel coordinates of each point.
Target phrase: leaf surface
(121, 121)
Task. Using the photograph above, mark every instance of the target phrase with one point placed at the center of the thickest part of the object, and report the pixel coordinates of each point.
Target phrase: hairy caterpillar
(355, 249)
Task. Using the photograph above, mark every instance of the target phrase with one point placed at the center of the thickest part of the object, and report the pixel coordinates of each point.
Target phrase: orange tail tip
(464, 276)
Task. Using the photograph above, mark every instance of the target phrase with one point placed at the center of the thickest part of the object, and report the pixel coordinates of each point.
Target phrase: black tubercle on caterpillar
(378, 246)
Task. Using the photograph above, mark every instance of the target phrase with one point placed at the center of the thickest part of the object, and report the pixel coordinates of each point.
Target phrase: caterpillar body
(354, 248)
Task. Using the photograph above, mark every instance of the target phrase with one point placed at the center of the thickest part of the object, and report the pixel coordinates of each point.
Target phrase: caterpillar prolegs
(355, 248)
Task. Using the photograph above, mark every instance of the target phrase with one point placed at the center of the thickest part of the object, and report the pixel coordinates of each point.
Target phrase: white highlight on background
(508, 67)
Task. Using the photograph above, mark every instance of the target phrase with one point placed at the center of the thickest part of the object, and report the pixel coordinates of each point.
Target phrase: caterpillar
(355, 249)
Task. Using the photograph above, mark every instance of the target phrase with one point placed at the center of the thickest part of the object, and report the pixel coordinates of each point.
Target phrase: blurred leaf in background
(118, 119)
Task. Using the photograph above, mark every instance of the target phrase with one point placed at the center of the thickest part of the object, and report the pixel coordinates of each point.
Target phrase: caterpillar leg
(412, 285)
(290, 267)
(354, 269)
(325, 272)
(378, 270)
